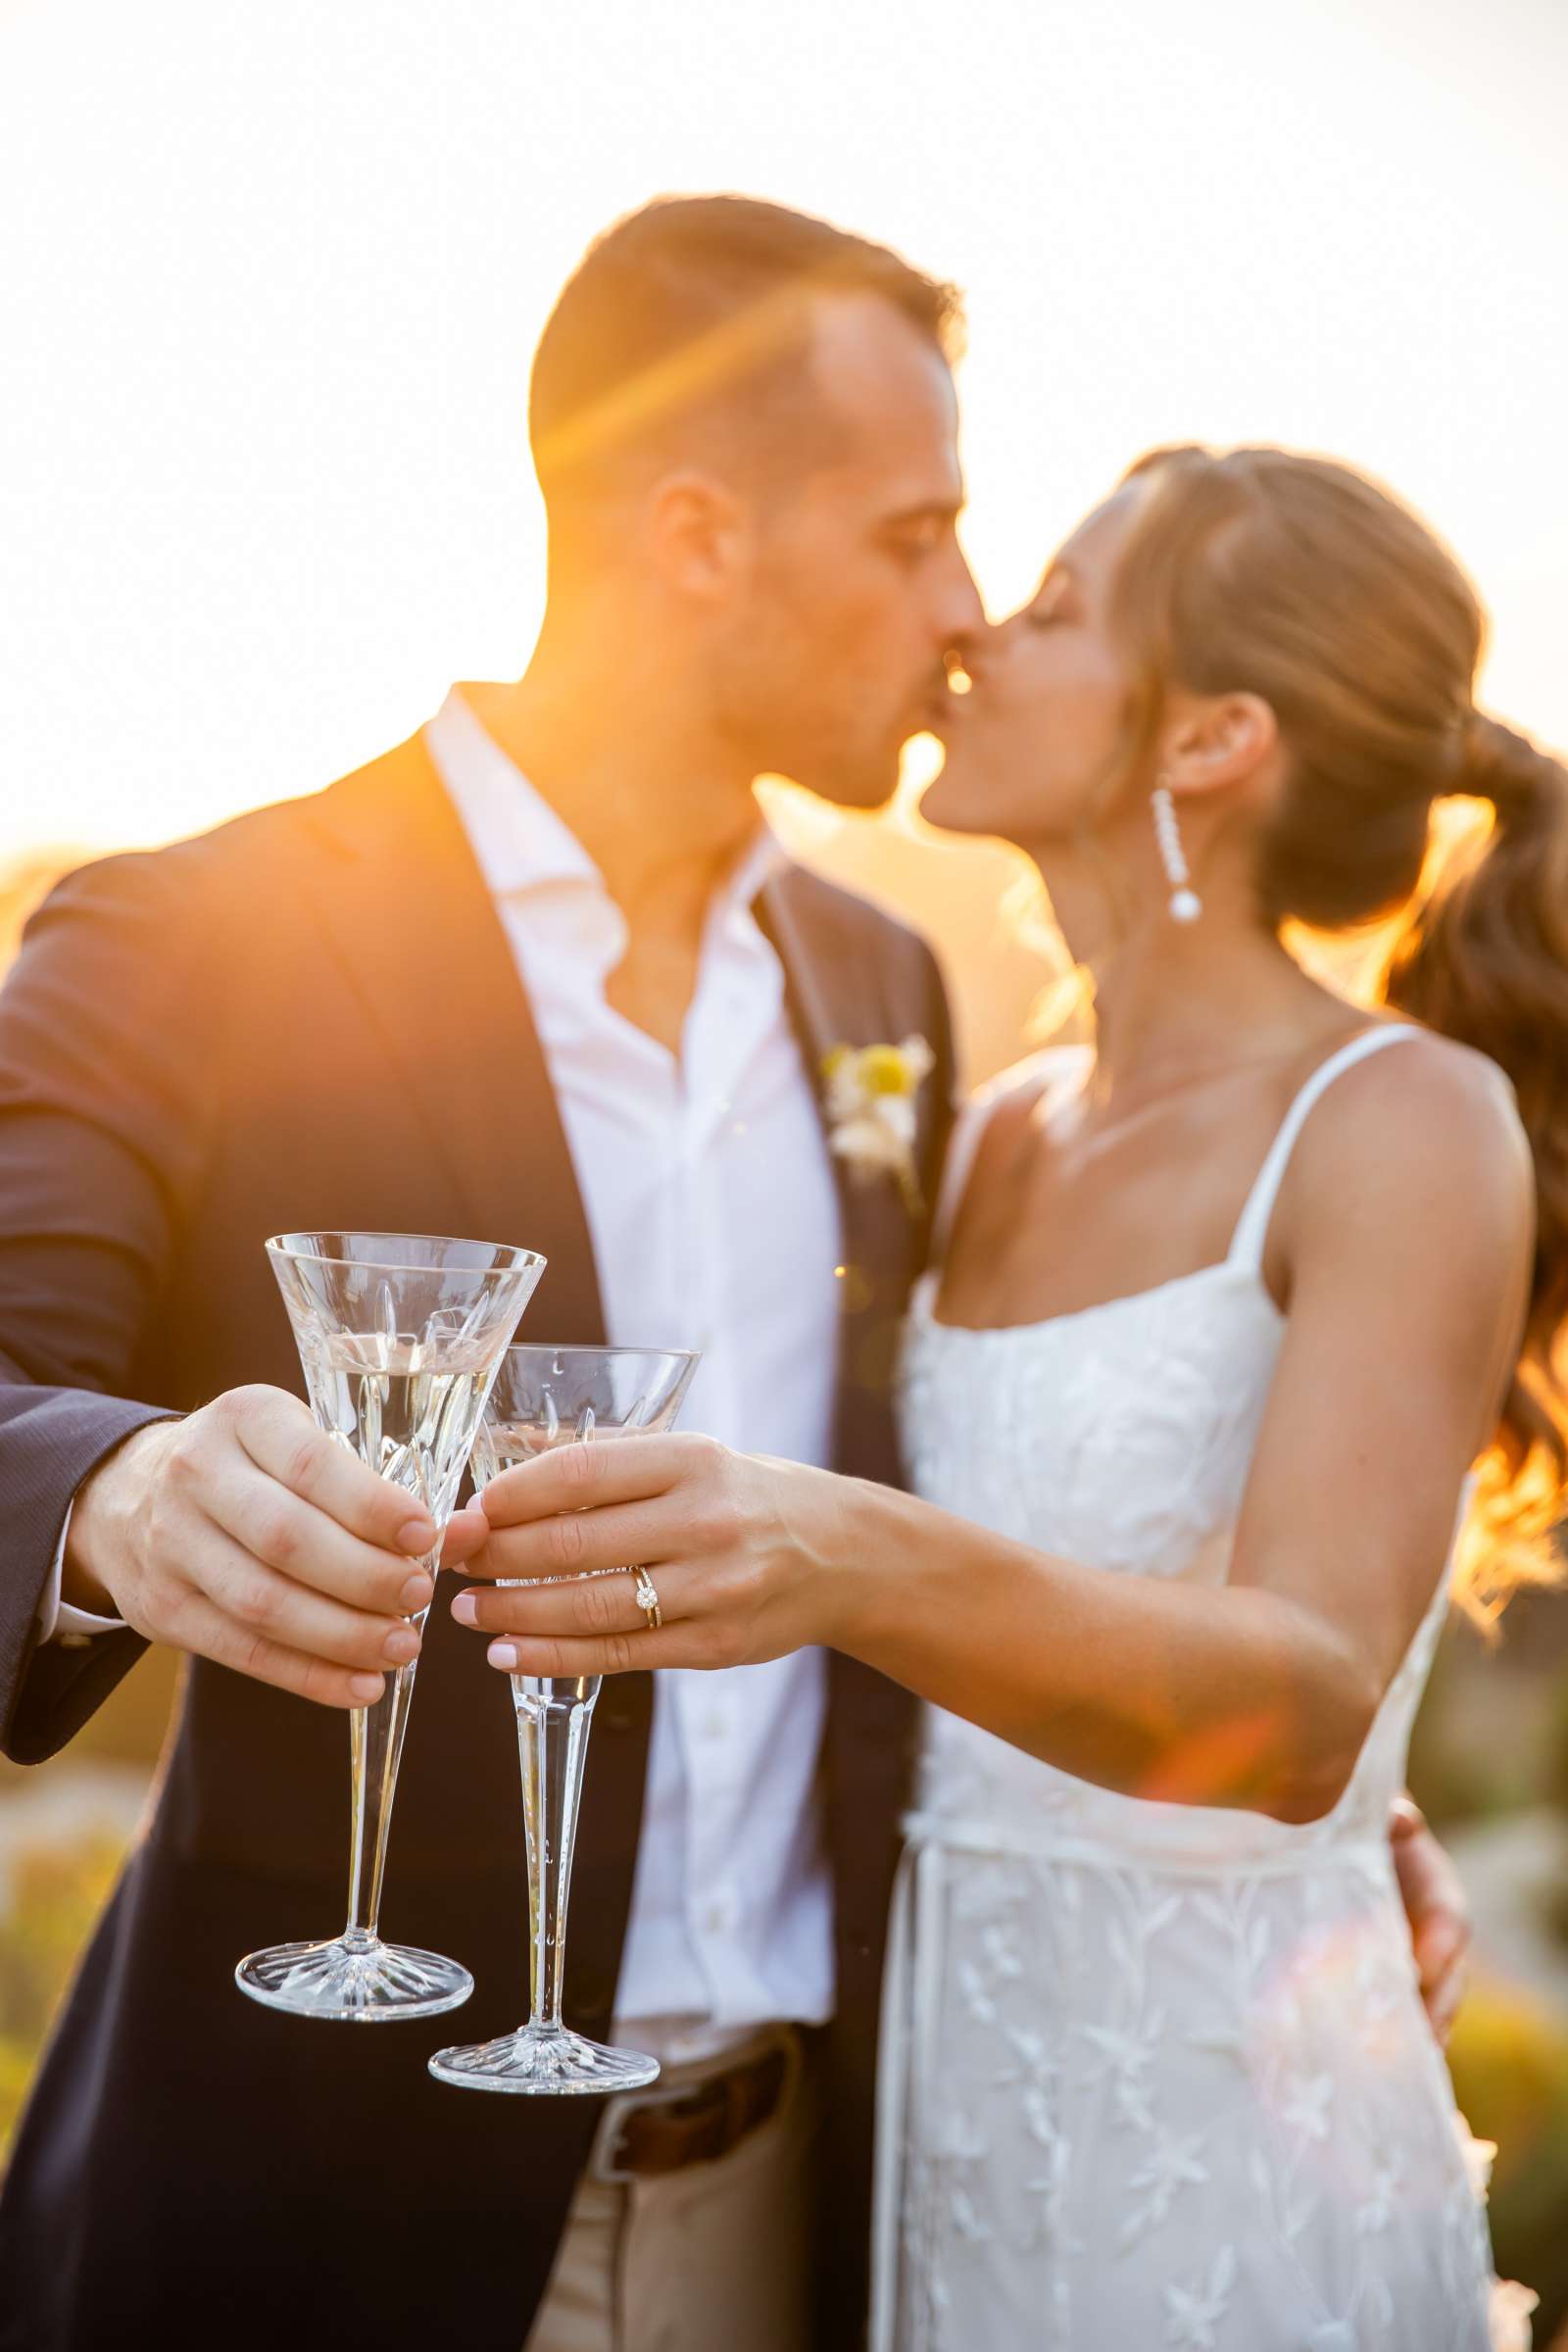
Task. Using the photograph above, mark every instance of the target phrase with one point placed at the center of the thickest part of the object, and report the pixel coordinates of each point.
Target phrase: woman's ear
(1215, 741)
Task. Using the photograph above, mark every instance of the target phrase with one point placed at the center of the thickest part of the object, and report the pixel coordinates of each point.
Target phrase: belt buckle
(601, 2158)
(606, 2140)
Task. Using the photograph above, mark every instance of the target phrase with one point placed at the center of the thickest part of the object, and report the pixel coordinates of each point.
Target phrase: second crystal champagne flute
(547, 1397)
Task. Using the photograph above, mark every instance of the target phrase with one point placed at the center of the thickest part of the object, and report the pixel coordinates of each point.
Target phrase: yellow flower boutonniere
(872, 1108)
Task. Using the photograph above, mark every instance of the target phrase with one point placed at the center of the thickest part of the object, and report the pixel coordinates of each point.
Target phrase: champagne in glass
(547, 1397)
(400, 1335)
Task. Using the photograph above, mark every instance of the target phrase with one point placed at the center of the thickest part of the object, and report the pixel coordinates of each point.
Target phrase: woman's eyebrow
(1058, 576)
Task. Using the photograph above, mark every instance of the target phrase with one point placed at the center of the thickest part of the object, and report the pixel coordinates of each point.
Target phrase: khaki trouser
(715, 2258)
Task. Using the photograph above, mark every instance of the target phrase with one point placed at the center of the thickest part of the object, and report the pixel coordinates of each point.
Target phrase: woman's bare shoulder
(1425, 1139)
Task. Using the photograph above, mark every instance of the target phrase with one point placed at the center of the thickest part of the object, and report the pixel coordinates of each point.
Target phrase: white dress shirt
(714, 1222)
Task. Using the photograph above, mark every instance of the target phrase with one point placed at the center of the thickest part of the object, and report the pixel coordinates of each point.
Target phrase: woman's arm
(1404, 1231)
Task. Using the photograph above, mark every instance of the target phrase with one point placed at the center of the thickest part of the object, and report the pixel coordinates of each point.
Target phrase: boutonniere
(872, 1095)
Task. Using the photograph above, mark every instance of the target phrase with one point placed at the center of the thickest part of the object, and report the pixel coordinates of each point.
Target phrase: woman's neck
(1177, 1001)
(1170, 1010)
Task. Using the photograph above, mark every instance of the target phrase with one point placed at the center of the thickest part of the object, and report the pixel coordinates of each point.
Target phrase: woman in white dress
(1235, 1313)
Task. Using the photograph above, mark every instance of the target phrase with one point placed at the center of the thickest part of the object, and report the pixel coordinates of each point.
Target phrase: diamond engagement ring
(647, 1599)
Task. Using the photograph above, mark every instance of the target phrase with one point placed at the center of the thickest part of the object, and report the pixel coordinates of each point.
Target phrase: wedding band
(647, 1599)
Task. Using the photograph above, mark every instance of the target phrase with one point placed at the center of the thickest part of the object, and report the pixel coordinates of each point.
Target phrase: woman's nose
(977, 648)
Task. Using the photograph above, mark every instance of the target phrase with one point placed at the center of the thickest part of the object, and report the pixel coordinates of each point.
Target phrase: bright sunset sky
(274, 272)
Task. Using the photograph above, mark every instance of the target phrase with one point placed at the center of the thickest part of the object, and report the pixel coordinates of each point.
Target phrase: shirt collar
(517, 838)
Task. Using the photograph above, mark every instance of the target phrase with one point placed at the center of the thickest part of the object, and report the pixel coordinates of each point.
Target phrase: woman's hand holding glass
(751, 1558)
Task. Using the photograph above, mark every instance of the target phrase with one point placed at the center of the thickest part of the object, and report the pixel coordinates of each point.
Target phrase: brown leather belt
(657, 2135)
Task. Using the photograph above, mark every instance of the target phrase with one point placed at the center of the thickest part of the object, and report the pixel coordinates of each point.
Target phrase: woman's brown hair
(1299, 580)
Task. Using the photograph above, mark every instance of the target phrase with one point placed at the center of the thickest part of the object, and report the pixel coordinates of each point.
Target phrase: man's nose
(962, 620)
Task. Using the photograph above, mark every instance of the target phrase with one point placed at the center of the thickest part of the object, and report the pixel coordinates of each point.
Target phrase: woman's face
(1033, 750)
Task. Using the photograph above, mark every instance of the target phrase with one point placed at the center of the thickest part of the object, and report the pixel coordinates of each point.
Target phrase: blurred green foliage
(1509, 2061)
(56, 1896)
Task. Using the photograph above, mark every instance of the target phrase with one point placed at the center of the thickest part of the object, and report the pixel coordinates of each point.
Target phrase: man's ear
(699, 532)
(1214, 741)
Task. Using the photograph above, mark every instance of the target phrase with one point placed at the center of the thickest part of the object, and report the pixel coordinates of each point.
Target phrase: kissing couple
(1074, 1496)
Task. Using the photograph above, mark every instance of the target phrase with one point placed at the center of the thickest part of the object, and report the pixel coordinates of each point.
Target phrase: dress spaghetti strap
(1252, 1226)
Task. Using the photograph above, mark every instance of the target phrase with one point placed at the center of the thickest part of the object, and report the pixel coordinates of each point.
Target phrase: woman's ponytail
(1484, 960)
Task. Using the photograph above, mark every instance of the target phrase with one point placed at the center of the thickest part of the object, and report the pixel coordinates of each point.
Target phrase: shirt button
(74, 1640)
(715, 1724)
(719, 1917)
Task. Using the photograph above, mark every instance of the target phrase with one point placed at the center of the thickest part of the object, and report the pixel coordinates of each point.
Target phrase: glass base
(544, 2060)
(364, 1982)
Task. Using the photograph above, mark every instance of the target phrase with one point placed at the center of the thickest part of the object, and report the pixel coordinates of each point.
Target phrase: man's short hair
(700, 307)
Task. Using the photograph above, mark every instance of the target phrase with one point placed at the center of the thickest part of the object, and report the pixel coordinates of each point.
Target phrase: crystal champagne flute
(547, 1397)
(400, 1335)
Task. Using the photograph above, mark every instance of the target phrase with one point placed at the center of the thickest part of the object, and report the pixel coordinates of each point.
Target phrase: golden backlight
(275, 273)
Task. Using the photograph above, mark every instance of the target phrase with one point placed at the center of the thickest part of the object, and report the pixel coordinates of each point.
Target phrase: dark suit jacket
(310, 1018)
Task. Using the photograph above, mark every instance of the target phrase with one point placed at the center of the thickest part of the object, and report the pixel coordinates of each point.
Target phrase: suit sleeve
(106, 1026)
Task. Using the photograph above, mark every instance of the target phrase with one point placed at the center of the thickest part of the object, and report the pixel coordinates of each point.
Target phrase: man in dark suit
(533, 977)
(350, 1011)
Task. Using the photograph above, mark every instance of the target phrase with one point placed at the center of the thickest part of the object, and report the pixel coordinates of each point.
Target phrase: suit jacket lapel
(418, 939)
(837, 994)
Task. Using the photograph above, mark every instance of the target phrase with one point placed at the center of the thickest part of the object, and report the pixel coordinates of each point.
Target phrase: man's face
(835, 649)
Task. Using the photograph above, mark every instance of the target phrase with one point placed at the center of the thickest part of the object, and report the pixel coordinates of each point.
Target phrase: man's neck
(662, 810)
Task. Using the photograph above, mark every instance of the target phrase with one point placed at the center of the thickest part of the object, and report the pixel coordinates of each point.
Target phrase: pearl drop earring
(1185, 903)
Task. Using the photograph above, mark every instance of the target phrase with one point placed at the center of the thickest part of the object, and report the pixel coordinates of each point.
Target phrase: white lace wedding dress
(1152, 2075)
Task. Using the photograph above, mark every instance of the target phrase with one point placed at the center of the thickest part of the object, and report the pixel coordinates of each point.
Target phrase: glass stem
(376, 1750)
(554, 1719)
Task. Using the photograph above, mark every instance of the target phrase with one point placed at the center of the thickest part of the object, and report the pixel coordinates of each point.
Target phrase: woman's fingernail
(416, 1595)
(402, 1647)
(466, 1609)
(416, 1535)
(502, 1655)
(366, 1689)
